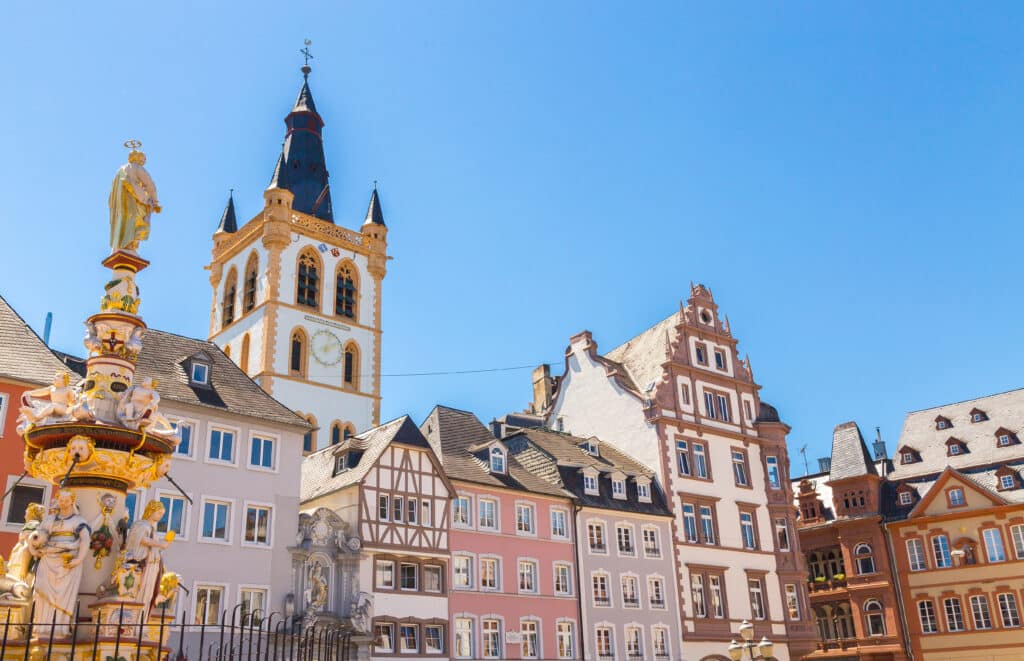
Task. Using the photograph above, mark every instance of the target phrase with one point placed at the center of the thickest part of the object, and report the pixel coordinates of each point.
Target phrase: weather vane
(132, 144)
(305, 51)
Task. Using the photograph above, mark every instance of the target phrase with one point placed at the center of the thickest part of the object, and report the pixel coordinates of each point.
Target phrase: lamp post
(754, 651)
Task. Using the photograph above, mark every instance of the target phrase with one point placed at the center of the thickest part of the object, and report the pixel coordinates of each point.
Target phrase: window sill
(211, 540)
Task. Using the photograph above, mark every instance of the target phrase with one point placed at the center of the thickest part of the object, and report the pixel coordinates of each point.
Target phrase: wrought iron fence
(234, 637)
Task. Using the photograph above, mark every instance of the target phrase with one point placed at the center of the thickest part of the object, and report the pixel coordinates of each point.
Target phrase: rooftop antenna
(803, 451)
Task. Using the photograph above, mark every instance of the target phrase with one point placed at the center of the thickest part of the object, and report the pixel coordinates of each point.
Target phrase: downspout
(577, 508)
(899, 593)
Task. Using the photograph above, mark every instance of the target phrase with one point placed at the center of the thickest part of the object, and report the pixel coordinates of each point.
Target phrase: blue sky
(844, 176)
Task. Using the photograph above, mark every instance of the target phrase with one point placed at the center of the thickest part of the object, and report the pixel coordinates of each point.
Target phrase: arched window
(346, 291)
(309, 438)
(864, 558)
(348, 432)
(307, 290)
(243, 360)
(497, 460)
(875, 618)
(227, 305)
(834, 563)
(297, 354)
(249, 293)
(844, 621)
(335, 433)
(817, 566)
(350, 374)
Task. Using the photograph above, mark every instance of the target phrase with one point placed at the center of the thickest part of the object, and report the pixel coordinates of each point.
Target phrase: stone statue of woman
(132, 200)
(144, 548)
(61, 543)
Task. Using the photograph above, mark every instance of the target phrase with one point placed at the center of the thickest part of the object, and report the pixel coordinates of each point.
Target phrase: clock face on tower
(326, 348)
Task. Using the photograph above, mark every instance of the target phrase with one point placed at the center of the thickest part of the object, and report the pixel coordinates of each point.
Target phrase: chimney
(825, 464)
(497, 428)
(542, 387)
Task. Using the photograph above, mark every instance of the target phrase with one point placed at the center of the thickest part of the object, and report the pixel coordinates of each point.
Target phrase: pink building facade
(514, 587)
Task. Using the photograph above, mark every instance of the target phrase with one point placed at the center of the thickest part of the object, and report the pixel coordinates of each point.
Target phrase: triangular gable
(935, 501)
(409, 434)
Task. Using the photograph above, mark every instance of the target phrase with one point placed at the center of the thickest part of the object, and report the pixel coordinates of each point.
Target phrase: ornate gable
(951, 488)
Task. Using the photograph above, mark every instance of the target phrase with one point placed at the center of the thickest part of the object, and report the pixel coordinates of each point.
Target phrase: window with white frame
(739, 468)
(433, 638)
(717, 596)
(994, 549)
(222, 445)
(747, 530)
(634, 643)
(940, 549)
(1017, 533)
(462, 572)
(697, 590)
(656, 592)
(700, 464)
(599, 583)
(915, 554)
(527, 576)
(619, 489)
(174, 515)
(865, 559)
(782, 534)
(689, 523)
(683, 457)
(432, 581)
(590, 484)
(200, 373)
(792, 601)
(412, 508)
(209, 601)
(875, 617)
(559, 523)
(565, 640)
(488, 518)
(463, 638)
(757, 609)
(253, 605)
(906, 498)
(408, 576)
(605, 649)
(216, 518)
(257, 524)
(707, 524)
(774, 478)
(980, 612)
(954, 615)
(1008, 612)
(652, 546)
(1006, 482)
(926, 611)
(624, 535)
(659, 641)
(184, 430)
(425, 518)
(398, 509)
(489, 573)
(956, 497)
(261, 452)
(497, 460)
(20, 497)
(409, 638)
(383, 507)
(595, 535)
(384, 574)
(490, 638)
(643, 491)
(460, 511)
(529, 639)
(563, 579)
(630, 591)
(384, 638)
(526, 519)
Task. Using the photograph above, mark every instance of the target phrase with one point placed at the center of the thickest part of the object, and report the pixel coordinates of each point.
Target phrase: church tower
(297, 298)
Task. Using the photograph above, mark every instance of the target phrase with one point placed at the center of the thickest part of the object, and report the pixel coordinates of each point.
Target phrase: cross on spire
(308, 56)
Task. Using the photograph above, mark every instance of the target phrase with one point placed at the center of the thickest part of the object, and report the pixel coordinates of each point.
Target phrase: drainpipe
(899, 593)
(576, 509)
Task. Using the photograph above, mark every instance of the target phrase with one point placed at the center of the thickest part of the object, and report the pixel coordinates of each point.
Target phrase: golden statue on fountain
(132, 200)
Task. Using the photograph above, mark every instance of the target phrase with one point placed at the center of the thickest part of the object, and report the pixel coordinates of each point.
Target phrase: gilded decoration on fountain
(95, 438)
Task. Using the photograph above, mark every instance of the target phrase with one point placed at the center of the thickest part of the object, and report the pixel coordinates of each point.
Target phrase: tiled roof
(984, 477)
(23, 355)
(642, 356)
(1004, 410)
(164, 357)
(850, 457)
(318, 477)
(459, 435)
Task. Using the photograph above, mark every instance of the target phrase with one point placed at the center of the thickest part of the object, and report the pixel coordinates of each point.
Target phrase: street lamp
(762, 650)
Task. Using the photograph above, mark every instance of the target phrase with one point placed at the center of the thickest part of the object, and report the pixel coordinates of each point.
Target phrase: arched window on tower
(348, 432)
(346, 291)
(865, 559)
(350, 375)
(243, 359)
(251, 274)
(309, 438)
(227, 306)
(307, 288)
(335, 433)
(297, 353)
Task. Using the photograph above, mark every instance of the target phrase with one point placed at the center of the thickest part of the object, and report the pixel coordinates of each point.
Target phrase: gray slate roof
(850, 457)
(318, 477)
(460, 439)
(23, 355)
(642, 356)
(164, 357)
(228, 222)
(374, 214)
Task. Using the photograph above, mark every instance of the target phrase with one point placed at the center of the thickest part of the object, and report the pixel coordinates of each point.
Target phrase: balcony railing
(828, 584)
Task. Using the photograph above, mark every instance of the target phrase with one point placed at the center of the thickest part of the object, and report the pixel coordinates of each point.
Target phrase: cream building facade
(296, 297)
(679, 398)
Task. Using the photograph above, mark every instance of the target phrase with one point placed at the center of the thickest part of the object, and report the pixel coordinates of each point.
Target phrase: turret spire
(374, 214)
(228, 222)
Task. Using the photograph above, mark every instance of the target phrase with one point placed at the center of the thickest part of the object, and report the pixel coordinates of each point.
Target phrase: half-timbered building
(388, 484)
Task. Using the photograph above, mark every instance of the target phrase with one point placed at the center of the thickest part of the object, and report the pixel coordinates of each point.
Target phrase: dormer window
(955, 447)
(906, 498)
(497, 460)
(1006, 482)
(590, 484)
(643, 492)
(341, 463)
(590, 447)
(942, 423)
(1005, 438)
(909, 455)
(199, 373)
(619, 489)
(977, 415)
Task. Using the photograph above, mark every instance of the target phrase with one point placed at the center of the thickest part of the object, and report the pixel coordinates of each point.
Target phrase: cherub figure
(56, 402)
(17, 580)
(139, 406)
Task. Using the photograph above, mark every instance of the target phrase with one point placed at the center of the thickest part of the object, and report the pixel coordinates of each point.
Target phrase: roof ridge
(966, 401)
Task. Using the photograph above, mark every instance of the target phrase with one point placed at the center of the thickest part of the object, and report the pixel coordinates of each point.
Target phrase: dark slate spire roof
(228, 223)
(850, 456)
(301, 167)
(374, 214)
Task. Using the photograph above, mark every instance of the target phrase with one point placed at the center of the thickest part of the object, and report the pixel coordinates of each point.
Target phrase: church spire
(301, 167)
(374, 214)
(228, 222)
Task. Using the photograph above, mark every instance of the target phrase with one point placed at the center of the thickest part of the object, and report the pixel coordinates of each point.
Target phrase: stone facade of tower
(297, 298)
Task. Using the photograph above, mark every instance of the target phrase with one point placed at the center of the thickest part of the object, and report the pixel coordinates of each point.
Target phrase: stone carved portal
(325, 565)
